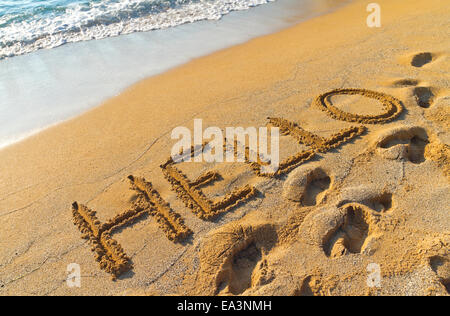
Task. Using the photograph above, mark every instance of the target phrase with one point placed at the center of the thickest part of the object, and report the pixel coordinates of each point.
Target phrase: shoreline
(72, 75)
(390, 182)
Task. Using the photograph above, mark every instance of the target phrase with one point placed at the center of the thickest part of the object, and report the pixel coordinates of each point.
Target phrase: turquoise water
(30, 25)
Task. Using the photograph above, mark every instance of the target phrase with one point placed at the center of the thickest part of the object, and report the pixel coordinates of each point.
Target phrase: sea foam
(47, 27)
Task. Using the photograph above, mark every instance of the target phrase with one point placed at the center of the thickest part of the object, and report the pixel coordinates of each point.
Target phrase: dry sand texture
(364, 179)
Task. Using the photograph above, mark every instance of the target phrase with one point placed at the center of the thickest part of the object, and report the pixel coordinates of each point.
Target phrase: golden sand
(364, 181)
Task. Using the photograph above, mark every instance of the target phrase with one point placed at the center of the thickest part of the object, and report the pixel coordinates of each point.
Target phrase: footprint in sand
(243, 265)
(424, 96)
(233, 258)
(421, 59)
(339, 231)
(402, 143)
(308, 184)
(354, 233)
(413, 144)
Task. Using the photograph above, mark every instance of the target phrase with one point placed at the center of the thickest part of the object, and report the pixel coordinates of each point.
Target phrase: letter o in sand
(392, 107)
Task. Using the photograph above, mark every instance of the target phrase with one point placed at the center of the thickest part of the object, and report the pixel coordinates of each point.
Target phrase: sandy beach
(373, 199)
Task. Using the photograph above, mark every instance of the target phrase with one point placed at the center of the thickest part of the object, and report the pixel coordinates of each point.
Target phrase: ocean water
(29, 25)
(43, 87)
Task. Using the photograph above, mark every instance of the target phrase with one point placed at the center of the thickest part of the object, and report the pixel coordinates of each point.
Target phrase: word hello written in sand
(110, 254)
